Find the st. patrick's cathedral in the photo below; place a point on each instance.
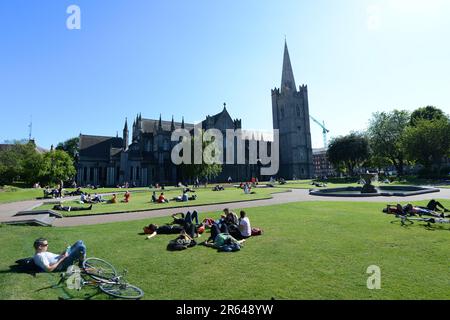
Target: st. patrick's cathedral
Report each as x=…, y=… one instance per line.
x=144, y=157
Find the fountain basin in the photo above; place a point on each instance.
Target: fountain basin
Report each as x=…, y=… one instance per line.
x=384, y=191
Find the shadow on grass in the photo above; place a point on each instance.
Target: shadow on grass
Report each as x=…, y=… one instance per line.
x=19, y=269
x=69, y=295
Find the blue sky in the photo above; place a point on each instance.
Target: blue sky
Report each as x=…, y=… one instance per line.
x=188, y=57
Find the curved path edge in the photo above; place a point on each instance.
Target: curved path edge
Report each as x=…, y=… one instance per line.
x=297, y=195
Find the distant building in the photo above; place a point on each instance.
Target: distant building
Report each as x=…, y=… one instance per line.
x=322, y=167
x=110, y=161
x=290, y=113
x=8, y=146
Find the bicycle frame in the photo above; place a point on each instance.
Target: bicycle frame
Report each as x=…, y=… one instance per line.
x=430, y=221
x=76, y=274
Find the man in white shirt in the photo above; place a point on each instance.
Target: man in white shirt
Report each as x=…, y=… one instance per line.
x=244, y=226
x=50, y=262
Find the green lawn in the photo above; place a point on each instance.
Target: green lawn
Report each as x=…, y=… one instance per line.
x=141, y=201
x=314, y=250
x=13, y=194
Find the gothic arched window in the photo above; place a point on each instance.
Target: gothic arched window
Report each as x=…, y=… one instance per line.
x=282, y=112
x=298, y=111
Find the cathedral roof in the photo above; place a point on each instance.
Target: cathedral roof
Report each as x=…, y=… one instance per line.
x=150, y=125
x=213, y=120
x=99, y=147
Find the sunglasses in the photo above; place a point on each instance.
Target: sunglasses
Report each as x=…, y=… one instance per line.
x=44, y=245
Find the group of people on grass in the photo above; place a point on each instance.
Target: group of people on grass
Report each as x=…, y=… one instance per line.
x=227, y=233
x=183, y=198
x=433, y=209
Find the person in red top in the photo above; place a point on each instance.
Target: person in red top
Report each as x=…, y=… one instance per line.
x=162, y=198
x=127, y=196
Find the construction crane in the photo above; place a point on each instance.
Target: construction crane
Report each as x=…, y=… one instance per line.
x=324, y=131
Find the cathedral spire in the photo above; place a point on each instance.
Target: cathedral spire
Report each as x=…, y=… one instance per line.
x=160, y=122
x=182, y=123
x=125, y=135
x=172, y=125
x=287, y=78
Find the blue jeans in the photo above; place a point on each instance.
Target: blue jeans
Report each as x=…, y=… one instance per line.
x=77, y=252
x=189, y=218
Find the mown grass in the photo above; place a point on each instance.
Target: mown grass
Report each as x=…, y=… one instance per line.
x=313, y=250
x=13, y=194
x=141, y=201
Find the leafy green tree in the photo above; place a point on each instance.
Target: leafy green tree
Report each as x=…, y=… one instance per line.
x=70, y=146
x=204, y=170
x=427, y=113
x=350, y=151
x=32, y=164
x=58, y=165
x=10, y=166
x=385, y=133
x=20, y=161
x=428, y=142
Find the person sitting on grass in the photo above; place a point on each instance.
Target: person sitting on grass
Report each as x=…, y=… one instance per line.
x=113, y=199
x=183, y=198
x=50, y=262
x=230, y=218
x=218, y=188
x=97, y=198
x=245, y=229
x=154, y=199
x=126, y=197
x=60, y=207
x=162, y=198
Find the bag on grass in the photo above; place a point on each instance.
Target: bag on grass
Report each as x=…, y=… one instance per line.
x=256, y=232
x=181, y=243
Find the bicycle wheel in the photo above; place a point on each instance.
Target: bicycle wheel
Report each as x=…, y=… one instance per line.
x=122, y=290
x=99, y=269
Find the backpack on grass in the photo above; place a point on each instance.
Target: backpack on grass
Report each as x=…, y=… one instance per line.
x=181, y=243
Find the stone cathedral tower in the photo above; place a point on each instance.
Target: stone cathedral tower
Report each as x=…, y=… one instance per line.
x=290, y=112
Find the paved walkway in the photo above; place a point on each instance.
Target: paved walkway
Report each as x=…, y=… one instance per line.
x=296, y=195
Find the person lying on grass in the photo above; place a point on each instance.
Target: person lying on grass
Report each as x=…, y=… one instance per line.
x=60, y=207
x=432, y=209
x=50, y=262
x=185, y=218
x=179, y=225
x=220, y=237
